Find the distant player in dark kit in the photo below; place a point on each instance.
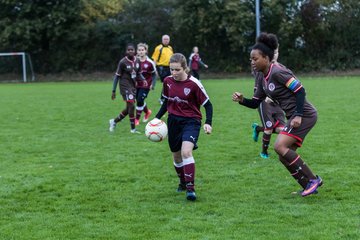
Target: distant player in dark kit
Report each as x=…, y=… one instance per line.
x=148, y=70
x=161, y=57
x=127, y=72
x=281, y=85
x=195, y=63
x=183, y=96
x=271, y=115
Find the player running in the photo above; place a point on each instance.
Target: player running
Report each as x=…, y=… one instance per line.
x=183, y=96
x=281, y=85
x=271, y=115
x=148, y=70
x=127, y=72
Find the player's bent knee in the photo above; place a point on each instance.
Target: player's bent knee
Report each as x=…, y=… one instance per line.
x=186, y=154
x=280, y=148
x=177, y=157
x=139, y=104
x=268, y=131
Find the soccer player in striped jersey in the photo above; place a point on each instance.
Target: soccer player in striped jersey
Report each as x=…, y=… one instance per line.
x=183, y=96
x=271, y=115
x=127, y=72
x=281, y=85
x=148, y=70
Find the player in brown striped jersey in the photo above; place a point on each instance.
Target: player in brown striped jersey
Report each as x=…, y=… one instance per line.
x=271, y=115
x=281, y=85
x=127, y=72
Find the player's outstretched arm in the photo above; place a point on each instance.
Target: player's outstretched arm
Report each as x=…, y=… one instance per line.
x=250, y=103
x=237, y=97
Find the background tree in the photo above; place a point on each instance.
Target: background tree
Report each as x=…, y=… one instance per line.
x=90, y=35
x=222, y=30
x=343, y=22
x=60, y=35
x=146, y=21
x=40, y=27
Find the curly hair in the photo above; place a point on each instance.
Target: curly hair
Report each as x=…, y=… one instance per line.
x=267, y=43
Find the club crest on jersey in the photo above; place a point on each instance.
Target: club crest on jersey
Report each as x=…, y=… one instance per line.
x=186, y=91
x=146, y=65
x=271, y=87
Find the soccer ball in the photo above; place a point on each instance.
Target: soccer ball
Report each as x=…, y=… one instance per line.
x=156, y=130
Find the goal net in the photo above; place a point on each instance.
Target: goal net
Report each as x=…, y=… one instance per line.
x=16, y=67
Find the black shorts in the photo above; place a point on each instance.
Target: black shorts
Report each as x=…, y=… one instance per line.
x=163, y=72
x=141, y=94
x=182, y=129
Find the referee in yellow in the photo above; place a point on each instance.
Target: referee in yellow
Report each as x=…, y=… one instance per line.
x=161, y=57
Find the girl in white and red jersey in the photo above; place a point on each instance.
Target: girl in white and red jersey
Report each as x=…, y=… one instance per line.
x=184, y=95
x=281, y=85
x=148, y=70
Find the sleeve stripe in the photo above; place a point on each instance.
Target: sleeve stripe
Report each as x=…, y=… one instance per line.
x=298, y=88
x=205, y=102
x=293, y=84
x=197, y=82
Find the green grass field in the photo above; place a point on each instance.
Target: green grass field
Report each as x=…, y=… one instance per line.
x=64, y=176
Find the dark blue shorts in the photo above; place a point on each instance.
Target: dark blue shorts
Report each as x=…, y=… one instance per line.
x=141, y=94
x=163, y=72
x=182, y=129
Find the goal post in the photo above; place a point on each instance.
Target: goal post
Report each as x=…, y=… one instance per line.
x=25, y=61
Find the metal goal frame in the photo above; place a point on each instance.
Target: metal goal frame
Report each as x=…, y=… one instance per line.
x=23, y=58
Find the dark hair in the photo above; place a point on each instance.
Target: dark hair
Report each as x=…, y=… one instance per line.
x=130, y=45
x=266, y=43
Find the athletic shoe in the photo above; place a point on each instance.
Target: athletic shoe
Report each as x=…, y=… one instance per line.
x=264, y=155
x=147, y=115
x=112, y=124
x=135, y=131
x=255, y=134
x=299, y=192
x=181, y=187
x=312, y=186
x=137, y=122
x=190, y=195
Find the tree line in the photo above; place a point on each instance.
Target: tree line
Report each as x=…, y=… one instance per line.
x=90, y=35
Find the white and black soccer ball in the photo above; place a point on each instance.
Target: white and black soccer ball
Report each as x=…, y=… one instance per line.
x=156, y=130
